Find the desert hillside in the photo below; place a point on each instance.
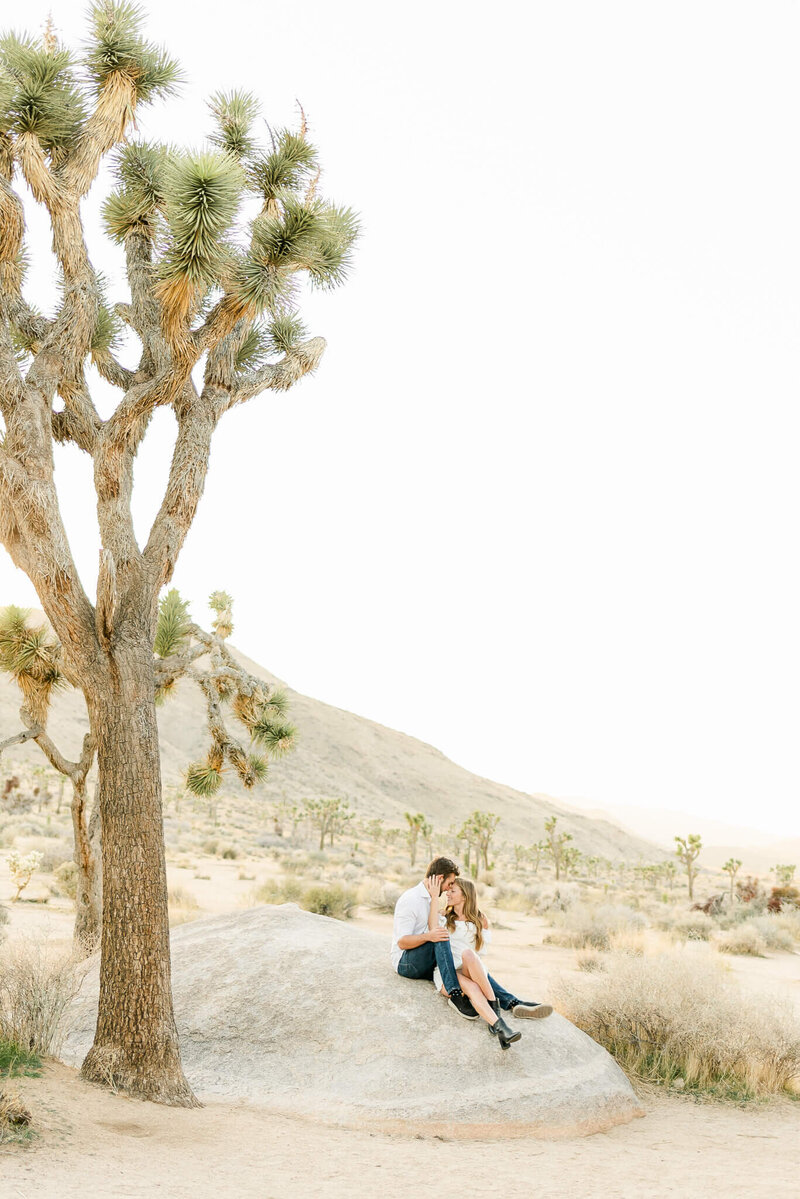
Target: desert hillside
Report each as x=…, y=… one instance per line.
x=382, y=772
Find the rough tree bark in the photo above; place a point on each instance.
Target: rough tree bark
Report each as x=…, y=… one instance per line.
x=136, y=1041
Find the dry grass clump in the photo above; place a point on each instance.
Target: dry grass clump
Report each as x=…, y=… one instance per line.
x=743, y=939
x=667, y=1018
x=36, y=990
x=280, y=890
x=336, y=901
x=379, y=895
x=775, y=935
x=180, y=897
x=582, y=926
x=15, y=1119
x=325, y=899
x=690, y=926
x=789, y=922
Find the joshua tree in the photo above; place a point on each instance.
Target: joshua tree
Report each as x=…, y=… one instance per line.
x=416, y=824
x=557, y=844
x=329, y=816
x=31, y=655
x=732, y=867
x=784, y=875
x=478, y=831
x=202, y=296
x=687, y=850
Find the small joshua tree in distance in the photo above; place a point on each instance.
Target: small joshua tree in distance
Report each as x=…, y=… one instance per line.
x=687, y=850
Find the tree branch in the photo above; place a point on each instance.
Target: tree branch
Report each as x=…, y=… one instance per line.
x=106, y=126
x=279, y=376
x=187, y=477
x=112, y=371
x=19, y=738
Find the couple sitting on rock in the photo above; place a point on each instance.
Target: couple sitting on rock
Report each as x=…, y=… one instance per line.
x=447, y=948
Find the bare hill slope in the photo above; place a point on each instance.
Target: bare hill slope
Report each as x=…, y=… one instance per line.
x=384, y=773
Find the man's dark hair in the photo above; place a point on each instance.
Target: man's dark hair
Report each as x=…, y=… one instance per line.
x=443, y=866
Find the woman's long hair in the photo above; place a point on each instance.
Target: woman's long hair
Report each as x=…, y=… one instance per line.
x=471, y=910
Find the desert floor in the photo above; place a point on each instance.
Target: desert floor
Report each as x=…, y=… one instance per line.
x=91, y=1142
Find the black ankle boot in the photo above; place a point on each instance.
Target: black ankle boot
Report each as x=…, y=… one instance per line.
x=504, y=1034
x=494, y=1004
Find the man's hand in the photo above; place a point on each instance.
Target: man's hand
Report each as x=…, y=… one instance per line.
x=433, y=885
x=438, y=934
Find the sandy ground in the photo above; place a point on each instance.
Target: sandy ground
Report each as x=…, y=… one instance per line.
x=89, y=1141
x=94, y=1143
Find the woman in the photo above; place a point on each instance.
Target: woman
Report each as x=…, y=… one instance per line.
x=469, y=935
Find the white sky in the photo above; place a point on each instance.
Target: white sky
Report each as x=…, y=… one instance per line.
x=539, y=505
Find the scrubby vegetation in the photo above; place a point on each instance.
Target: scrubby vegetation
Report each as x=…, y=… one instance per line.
x=36, y=989
x=676, y=1020
x=624, y=921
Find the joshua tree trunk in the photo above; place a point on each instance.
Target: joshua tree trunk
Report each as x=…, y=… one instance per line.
x=136, y=1041
x=86, y=832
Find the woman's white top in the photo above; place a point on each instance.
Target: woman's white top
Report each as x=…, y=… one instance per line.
x=462, y=937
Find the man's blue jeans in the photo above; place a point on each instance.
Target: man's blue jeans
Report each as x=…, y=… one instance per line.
x=419, y=963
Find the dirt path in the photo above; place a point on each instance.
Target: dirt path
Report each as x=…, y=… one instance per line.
x=91, y=1142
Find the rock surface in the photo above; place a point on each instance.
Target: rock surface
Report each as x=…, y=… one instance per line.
x=304, y=1014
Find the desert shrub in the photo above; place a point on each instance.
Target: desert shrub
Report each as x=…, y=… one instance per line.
x=15, y=1119
x=584, y=927
x=782, y=897
x=283, y=890
x=296, y=865
x=788, y=921
x=590, y=960
x=230, y=853
x=379, y=895
x=14, y=1059
x=691, y=926
x=669, y=1017
x=774, y=936
x=54, y=855
x=336, y=901
x=180, y=897
x=66, y=876
x=517, y=898
x=36, y=990
x=744, y=939
x=210, y=846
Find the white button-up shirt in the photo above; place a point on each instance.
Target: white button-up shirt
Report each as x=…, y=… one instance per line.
x=410, y=918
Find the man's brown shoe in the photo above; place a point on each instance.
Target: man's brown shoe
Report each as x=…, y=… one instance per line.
x=531, y=1011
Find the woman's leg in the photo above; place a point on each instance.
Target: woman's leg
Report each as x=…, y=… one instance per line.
x=476, y=997
x=473, y=967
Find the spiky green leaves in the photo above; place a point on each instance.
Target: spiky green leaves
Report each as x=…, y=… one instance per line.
x=30, y=656
x=117, y=45
x=38, y=93
x=174, y=624
x=276, y=736
x=288, y=168
x=108, y=325
x=141, y=169
x=203, y=779
x=315, y=237
x=201, y=195
x=234, y=113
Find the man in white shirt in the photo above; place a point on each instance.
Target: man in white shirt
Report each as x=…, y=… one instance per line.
x=417, y=949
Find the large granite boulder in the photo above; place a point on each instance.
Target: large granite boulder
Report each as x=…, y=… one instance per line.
x=304, y=1014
